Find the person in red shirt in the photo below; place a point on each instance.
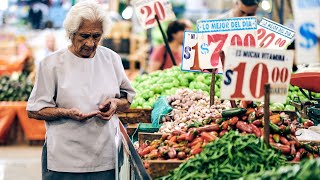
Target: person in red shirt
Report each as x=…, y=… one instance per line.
x=160, y=58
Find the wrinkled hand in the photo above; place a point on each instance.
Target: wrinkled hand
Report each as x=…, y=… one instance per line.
x=107, y=109
x=76, y=114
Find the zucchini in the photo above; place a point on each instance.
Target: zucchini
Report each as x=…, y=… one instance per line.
x=274, y=128
x=308, y=148
x=234, y=112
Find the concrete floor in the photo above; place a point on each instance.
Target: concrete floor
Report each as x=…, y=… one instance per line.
x=21, y=162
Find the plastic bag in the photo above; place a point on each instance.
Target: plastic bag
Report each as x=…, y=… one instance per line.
x=160, y=108
x=144, y=127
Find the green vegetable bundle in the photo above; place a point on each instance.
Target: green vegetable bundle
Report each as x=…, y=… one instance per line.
x=150, y=87
x=309, y=169
x=230, y=157
x=16, y=87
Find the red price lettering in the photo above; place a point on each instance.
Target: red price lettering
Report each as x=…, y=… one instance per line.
x=248, y=40
x=236, y=40
x=267, y=39
x=275, y=74
x=255, y=74
x=258, y=78
x=221, y=38
x=147, y=11
x=159, y=10
x=239, y=82
x=282, y=75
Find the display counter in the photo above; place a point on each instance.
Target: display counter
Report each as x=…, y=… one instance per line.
x=11, y=112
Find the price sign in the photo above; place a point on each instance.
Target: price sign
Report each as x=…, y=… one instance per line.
x=248, y=69
x=147, y=9
x=307, y=26
x=217, y=35
x=190, y=56
x=272, y=35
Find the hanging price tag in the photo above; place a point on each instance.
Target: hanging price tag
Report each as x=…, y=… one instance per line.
x=217, y=35
x=147, y=9
x=190, y=60
x=248, y=69
x=307, y=26
x=272, y=35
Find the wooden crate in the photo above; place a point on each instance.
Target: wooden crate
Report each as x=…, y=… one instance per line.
x=159, y=168
x=131, y=128
x=143, y=137
x=133, y=116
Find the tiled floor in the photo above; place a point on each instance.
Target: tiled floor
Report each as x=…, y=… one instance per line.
x=20, y=162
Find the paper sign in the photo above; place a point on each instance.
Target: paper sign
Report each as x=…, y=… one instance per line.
x=272, y=35
x=217, y=35
x=307, y=26
x=190, y=60
x=248, y=69
x=147, y=9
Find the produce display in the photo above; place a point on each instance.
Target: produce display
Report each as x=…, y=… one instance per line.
x=190, y=107
x=179, y=144
x=232, y=156
x=16, y=87
x=149, y=87
x=309, y=169
x=184, y=143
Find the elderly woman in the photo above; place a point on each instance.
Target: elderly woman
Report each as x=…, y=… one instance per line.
x=77, y=92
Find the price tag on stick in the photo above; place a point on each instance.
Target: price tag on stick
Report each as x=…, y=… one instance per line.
x=307, y=25
x=217, y=35
x=272, y=35
x=147, y=9
x=248, y=69
x=190, y=58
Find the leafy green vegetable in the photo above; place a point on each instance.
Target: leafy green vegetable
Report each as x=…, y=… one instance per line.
x=230, y=157
x=309, y=169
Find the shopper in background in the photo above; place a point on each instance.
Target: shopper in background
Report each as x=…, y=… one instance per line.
x=50, y=47
x=160, y=58
x=242, y=8
x=77, y=92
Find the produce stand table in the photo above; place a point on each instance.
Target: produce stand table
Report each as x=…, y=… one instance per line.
x=159, y=168
x=33, y=130
x=143, y=136
x=131, y=128
x=132, y=116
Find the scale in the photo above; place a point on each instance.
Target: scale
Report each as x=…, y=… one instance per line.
x=309, y=81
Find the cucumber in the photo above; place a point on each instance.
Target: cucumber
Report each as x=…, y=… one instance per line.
x=234, y=112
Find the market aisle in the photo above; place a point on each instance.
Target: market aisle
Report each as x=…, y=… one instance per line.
x=20, y=162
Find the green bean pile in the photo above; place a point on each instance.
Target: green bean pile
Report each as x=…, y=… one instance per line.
x=230, y=157
x=309, y=169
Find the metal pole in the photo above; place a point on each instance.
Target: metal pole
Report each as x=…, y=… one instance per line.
x=266, y=113
x=166, y=41
x=212, y=87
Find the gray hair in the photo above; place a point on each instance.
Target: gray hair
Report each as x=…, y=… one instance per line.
x=85, y=10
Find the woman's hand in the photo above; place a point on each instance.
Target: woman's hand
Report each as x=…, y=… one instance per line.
x=108, y=108
x=76, y=114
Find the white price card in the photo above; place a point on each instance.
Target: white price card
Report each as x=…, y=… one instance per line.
x=147, y=9
x=247, y=70
x=307, y=26
x=216, y=35
x=190, y=61
x=273, y=35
